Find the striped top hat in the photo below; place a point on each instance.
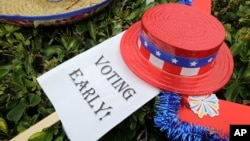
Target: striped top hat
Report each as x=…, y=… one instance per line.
x=178, y=48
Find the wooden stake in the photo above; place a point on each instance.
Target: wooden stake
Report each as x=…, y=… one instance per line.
x=38, y=127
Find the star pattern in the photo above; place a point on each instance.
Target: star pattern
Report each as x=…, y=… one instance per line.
x=145, y=44
x=210, y=60
x=193, y=64
x=184, y=65
x=179, y=61
x=158, y=53
x=174, y=61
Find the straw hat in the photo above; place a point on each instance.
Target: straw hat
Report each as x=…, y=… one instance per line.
x=42, y=7
x=179, y=49
x=48, y=12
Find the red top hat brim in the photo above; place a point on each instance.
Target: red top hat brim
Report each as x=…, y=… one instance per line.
x=206, y=83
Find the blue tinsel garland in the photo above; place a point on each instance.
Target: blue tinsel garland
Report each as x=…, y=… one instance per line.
x=167, y=120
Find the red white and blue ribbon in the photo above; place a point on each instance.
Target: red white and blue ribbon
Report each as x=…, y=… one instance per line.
x=174, y=64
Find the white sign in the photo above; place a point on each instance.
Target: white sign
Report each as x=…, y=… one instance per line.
x=95, y=91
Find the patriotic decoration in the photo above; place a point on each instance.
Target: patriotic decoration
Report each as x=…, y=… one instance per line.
x=168, y=103
x=204, y=105
x=177, y=49
x=174, y=64
x=200, y=105
x=168, y=121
